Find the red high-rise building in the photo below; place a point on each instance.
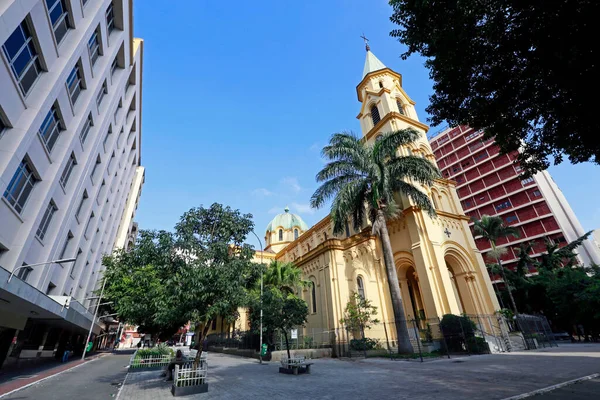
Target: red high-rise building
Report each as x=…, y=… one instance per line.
x=490, y=183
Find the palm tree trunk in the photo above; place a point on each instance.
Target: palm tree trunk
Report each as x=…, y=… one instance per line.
x=510, y=296
x=404, y=345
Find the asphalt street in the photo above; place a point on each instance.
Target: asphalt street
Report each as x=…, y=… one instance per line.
x=95, y=380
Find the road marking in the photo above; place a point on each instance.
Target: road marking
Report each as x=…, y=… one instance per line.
x=553, y=387
x=122, y=386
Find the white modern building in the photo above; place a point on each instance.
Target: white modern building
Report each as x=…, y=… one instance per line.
x=70, y=163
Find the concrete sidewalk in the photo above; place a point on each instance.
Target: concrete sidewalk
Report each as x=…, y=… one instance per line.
x=477, y=377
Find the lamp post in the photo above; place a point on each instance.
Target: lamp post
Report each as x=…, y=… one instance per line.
x=261, y=298
x=93, y=320
x=64, y=260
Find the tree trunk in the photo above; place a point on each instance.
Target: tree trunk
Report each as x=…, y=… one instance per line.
x=510, y=296
x=199, y=343
x=404, y=345
x=362, y=332
x=287, y=344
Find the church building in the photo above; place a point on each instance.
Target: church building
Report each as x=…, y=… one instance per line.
x=439, y=267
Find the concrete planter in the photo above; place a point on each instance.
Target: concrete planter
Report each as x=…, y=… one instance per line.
x=145, y=369
x=188, y=390
x=293, y=371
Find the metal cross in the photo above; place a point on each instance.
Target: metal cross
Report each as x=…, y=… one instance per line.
x=447, y=232
x=363, y=37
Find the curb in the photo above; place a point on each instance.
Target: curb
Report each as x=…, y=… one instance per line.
x=553, y=387
x=122, y=386
x=25, y=386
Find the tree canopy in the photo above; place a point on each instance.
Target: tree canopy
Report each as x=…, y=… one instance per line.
x=521, y=70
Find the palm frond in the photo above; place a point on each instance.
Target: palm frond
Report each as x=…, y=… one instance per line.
x=387, y=146
x=331, y=187
x=345, y=203
x=419, y=198
x=415, y=168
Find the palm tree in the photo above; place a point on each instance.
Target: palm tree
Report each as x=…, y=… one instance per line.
x=555, y=256
x=362, y=179
x=285, y=276
x=492, y=229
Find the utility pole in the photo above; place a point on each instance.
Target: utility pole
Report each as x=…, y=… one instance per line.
x=261, y=299
x=93, y=320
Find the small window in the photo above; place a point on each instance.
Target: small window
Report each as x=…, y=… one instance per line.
x=74, y=264
x=94, y=46
x=46, y=219
x=361, y=286
x=75, y=83
x=86, y=232
x=347, y=229
x=295, y=234
x=50, y=289
x=50, y=129
x=20, y=186
x=113, y=67
x=86, y=128
x=380, y=85
x=400, y=107
x=23, y=273
x=59, y=17
x=71, y=163
x=313, y=296
x=84, y=197
x=480, y=156
x=110, y=18
x=503, y=205
x=98, y=162
x=103, y=92
x=22, y=56
x=2, y=126
x=526, y=181
x=511, y=218
x=281, y=235
x=107, y=138
x=63, y=252
x=375, y=115
x=536, y=193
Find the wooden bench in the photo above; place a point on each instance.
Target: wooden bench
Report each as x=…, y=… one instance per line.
x=296, y=364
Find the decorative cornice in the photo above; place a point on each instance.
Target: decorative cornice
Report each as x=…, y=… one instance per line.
x=373, y=74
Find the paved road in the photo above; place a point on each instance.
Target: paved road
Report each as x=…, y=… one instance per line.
x=95, y=380
x=487, y=377
x=579, y=391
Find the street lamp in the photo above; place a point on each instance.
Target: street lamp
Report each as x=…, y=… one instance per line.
x=64, y=260
x=261, y=298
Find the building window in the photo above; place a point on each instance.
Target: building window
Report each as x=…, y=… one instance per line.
x=86, y=128
x=50, y=289
x=86, y=232
x=375, y=114
x=511, y=218
x=2, y=126
x=347, y=229
x=98, y=162
x=107, y=137
x=71, y=163
x=72, y=272
x=526, y=181
x=63, y=252
x=81, y=204
x=295, y=234
x=22, y=57
x=313, y=296
x=361, y=286
x=503, y=205
x=480, y=156
x=281, y=235
x=100, y=192
x=75, y=83
x=472, y=135
x=110, y=18
x=94, y=47
x=536, y=193
x=23, y=273
x=59, y=17
x=50, y=129
x=46, y=219
x=103, y=91
x=113, y=67
x=20, y=186
x=400, y=107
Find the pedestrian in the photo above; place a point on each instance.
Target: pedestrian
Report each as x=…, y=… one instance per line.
x=67, y=352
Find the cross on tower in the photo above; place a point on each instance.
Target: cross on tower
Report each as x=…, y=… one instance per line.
x=447, y=232
x=363, y=37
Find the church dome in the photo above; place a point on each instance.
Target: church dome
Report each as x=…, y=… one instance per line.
x=287, y=220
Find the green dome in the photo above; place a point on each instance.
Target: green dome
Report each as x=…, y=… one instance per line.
x=287, y=220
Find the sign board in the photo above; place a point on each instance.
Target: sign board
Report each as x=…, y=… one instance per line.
x=263, y=351
x=89, y=347
x=294, y=334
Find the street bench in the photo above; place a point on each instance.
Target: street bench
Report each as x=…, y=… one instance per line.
x=295, y=364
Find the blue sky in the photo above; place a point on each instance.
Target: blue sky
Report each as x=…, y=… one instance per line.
x=239, y=98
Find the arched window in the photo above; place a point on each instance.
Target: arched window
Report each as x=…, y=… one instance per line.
x=378, y=138
x=375, y=114
x=313, y=296
x=361, y=286
x=380, y=84
x=347, y=229
x=400, y=107
x=281, y=235
x=295, y=234
x=435, y=205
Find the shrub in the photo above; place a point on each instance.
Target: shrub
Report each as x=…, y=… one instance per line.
x=457, y=330
x=364, y=344
x=308, y=342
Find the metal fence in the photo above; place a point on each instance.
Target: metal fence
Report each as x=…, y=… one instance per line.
x=146, y=361
x=536, y=331
x=186, y=375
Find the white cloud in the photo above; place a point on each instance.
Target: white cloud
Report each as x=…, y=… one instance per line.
x=315, y=147
x=275, y=210
x=262, y=192
x=302, y=208
x=292, y=184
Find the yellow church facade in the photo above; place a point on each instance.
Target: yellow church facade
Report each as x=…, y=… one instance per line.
x=439, y=268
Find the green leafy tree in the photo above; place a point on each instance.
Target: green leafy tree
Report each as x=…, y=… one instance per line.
x=492, y=229
x=136, y=282
x=218, y=266
x=359, y=315
x=363, y=179
x=518, y=69
x=282, y=311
